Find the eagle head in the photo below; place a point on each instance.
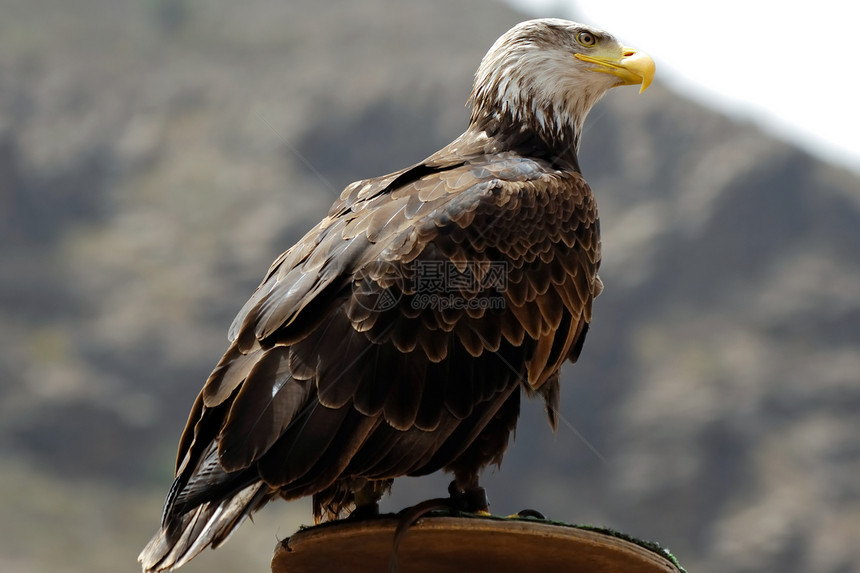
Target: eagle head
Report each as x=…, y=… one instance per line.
x=545, y=75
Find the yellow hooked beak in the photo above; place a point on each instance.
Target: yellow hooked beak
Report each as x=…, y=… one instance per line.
x=633, y=67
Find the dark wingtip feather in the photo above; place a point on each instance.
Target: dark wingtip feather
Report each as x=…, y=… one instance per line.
x=209, y=524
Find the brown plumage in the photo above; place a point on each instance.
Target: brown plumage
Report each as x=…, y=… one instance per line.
x=397, y=336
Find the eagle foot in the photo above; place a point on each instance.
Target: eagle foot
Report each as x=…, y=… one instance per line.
x=529, y=513
x=367, y=511
x=470, y=500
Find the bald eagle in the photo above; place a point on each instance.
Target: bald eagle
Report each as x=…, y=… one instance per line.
x=398, y=335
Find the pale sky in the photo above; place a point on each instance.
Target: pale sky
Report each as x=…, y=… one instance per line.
x=792, y=67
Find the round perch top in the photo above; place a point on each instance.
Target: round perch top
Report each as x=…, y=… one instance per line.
x=467, y=544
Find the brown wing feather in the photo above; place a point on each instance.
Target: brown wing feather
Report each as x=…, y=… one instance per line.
x=269, y=399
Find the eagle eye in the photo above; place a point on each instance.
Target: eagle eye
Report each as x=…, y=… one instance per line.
x=587, y=39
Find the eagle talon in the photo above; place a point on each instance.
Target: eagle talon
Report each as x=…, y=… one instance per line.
x=529, y=513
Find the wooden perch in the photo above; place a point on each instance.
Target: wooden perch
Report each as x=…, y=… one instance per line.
x=466, y=544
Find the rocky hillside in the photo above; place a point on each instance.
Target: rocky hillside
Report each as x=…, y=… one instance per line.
x=156, y=156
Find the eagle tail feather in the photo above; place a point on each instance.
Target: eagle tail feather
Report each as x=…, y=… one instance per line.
x=209, y=524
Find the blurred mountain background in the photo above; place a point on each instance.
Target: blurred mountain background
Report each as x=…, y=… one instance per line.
x=156, y=156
